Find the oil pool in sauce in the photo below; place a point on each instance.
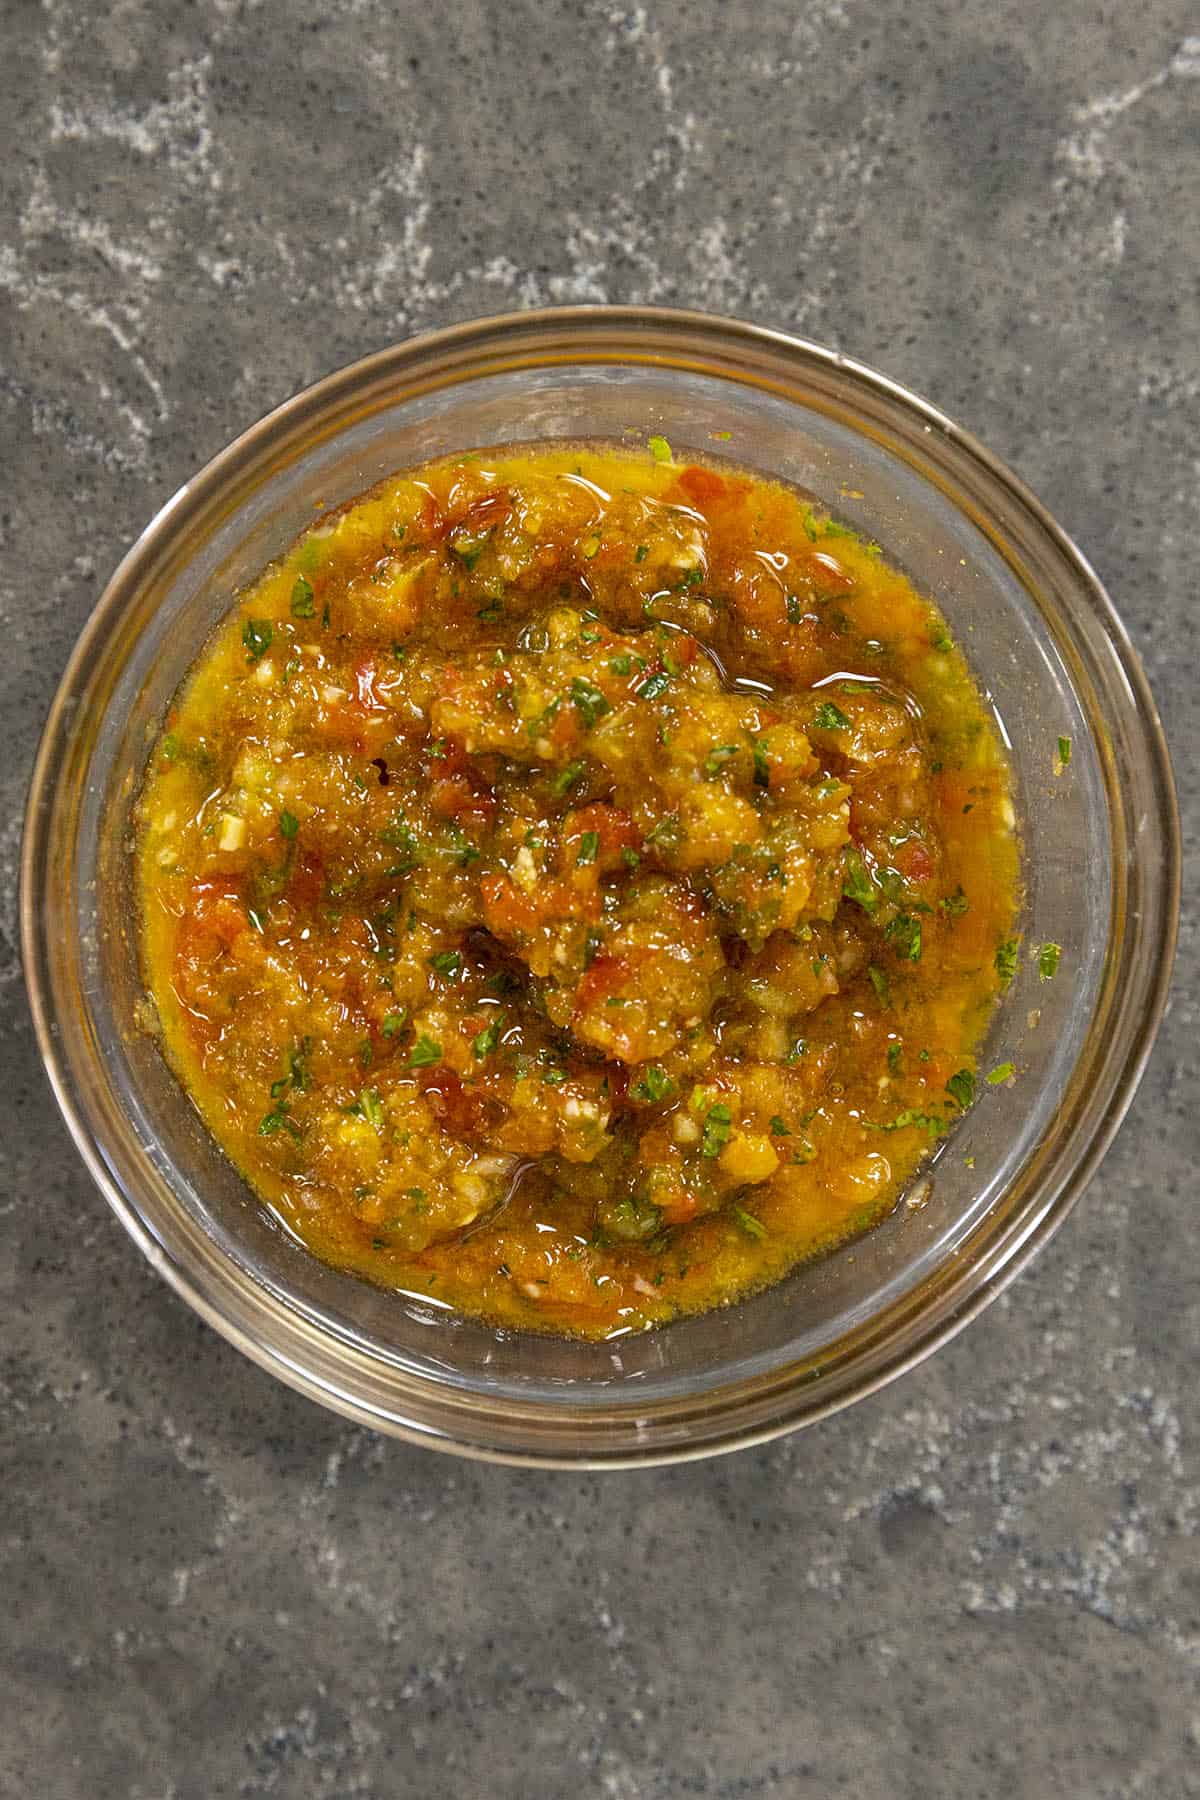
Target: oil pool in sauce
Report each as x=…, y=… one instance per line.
x=574, y=884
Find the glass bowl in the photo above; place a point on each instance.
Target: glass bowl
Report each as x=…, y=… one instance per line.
x=1101, y=852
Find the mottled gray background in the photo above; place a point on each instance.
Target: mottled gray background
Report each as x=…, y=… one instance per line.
x=983, y=1582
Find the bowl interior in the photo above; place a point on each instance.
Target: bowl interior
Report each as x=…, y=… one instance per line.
x=1011, y=592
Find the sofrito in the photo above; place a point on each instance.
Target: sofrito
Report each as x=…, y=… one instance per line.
x=574, y=884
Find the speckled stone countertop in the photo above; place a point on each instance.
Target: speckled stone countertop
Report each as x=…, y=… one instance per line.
x=983, y=1582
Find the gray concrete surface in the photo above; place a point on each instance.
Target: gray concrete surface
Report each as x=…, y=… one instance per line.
x=983, y=1582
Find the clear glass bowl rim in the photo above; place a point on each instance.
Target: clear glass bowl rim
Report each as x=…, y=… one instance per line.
x=326, y=1368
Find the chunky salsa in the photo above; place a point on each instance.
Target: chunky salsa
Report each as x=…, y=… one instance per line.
x=574, y=885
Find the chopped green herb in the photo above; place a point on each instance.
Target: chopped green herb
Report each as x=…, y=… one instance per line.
x=630, y=858
x=879, y=982
x=716, y=1130
x=904, y=933
x=654, y=1085
x=1002, y=1072
x=810, y=525
x=660, y=450
x=289, y=824
x=588, y=701
x=446, y=962
x=257, y=635
x=303, y=604
x=667, y=834
x=920, y=1121
x=366, y=1054
x=566, y=778
x=425, y=1053
x=717, y=757
x=1064, y=751
x=894, y=1057
x=794, y=608
x=641, y=553
x=395, y=1022
x=469, y=549
x=488, y=615
x=1006, y=961
x=589, y=845
x=961, y=1088
x=857, y=884
x=780, y=1127
x=255, y=918
x=371, y=1108
x=953, y=905
x=653, y=685
x=829, y=717
x=1048, y=960
x=762, y=767
x=621, y=665
x=488, y=1038
x=750, y=1225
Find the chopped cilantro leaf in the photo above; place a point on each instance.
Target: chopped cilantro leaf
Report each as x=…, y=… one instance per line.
x=1064, y=751
x=425, y=1053
x=1002, y=1072
x=654, y=1085
x=829, y=717
x=667, y=834
x=257, y=635
x=780, y=1127
x=566, y=778
x=588, y=701
x=717, y=757
x=446, y=962
x=857, y=884
x=659, y=449
x=716, y=1130
x=1006, y=961
x=961, y=1088
x=653, y=685
x=750, y=1225
x=589, y=845
x=879, y=982
x=303, y=604
x=488, y=1038
x=1047, y=961
x=904, y=933
x=289, y=824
